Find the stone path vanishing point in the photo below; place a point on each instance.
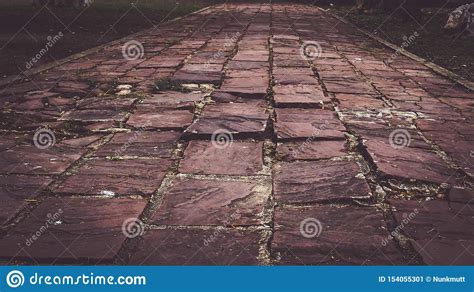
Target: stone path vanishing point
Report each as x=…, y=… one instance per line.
x=242, y=134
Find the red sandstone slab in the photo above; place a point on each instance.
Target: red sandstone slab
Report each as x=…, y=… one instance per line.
x=109, y=103
x=164, y=119
x=85, y=230
x=228, y=158
x=31, y=160
x=301, y=95
x=247, y=91
x=140, y=143
x=308, y=182
x=16, y=191
x=307, y=123
x=94, y=115
x=197, y=247
x=331, y=235
x=239, y=120
x=169, y=100
x=359, y=101
x=191, y=77
x=310, y=150
x=439, y=231
x=408, y=163
x=349, y=87
x=216, y=203
x=116, y=177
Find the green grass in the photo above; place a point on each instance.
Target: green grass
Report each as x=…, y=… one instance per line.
x=451, y=51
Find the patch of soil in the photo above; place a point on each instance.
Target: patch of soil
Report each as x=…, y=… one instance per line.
x=452, y=51
x=26, y=30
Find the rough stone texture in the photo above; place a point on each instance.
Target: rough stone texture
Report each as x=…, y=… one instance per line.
x=240, y=120
x=440, y=232
x=24, y=159
x=165, y=119
x=197, y=247
x=303, y=131
x=409, y=163
x=219, y=203
x=310, y=150
x=118, y=177
x=304, y=95
x=16, y=191
x=141, y=143
x=306, y=182
x=234, y=158
x=71, y=230
x=308, y=123
x=347, y=236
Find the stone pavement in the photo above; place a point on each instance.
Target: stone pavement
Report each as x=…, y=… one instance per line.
x=243, y=134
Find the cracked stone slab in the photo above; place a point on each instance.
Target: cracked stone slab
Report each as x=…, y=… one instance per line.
x=164, y=119
x=341, y=86
x=359, y=101
x=197, y=247
x=316, y=181
x=293, y=124
x=71, y=230
x=25, y=159
x=141, y=144
x=16, y=191
x=310, y=150
x=455, y=138
x=300, y=95
x=439, y=231
x=170, y=100
x=216, y=203
x=239, y=120
x=108, y=103
x=94, y=115
x=211, y=157
x=409, y=163
x=332, y=235
x=116, y=177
